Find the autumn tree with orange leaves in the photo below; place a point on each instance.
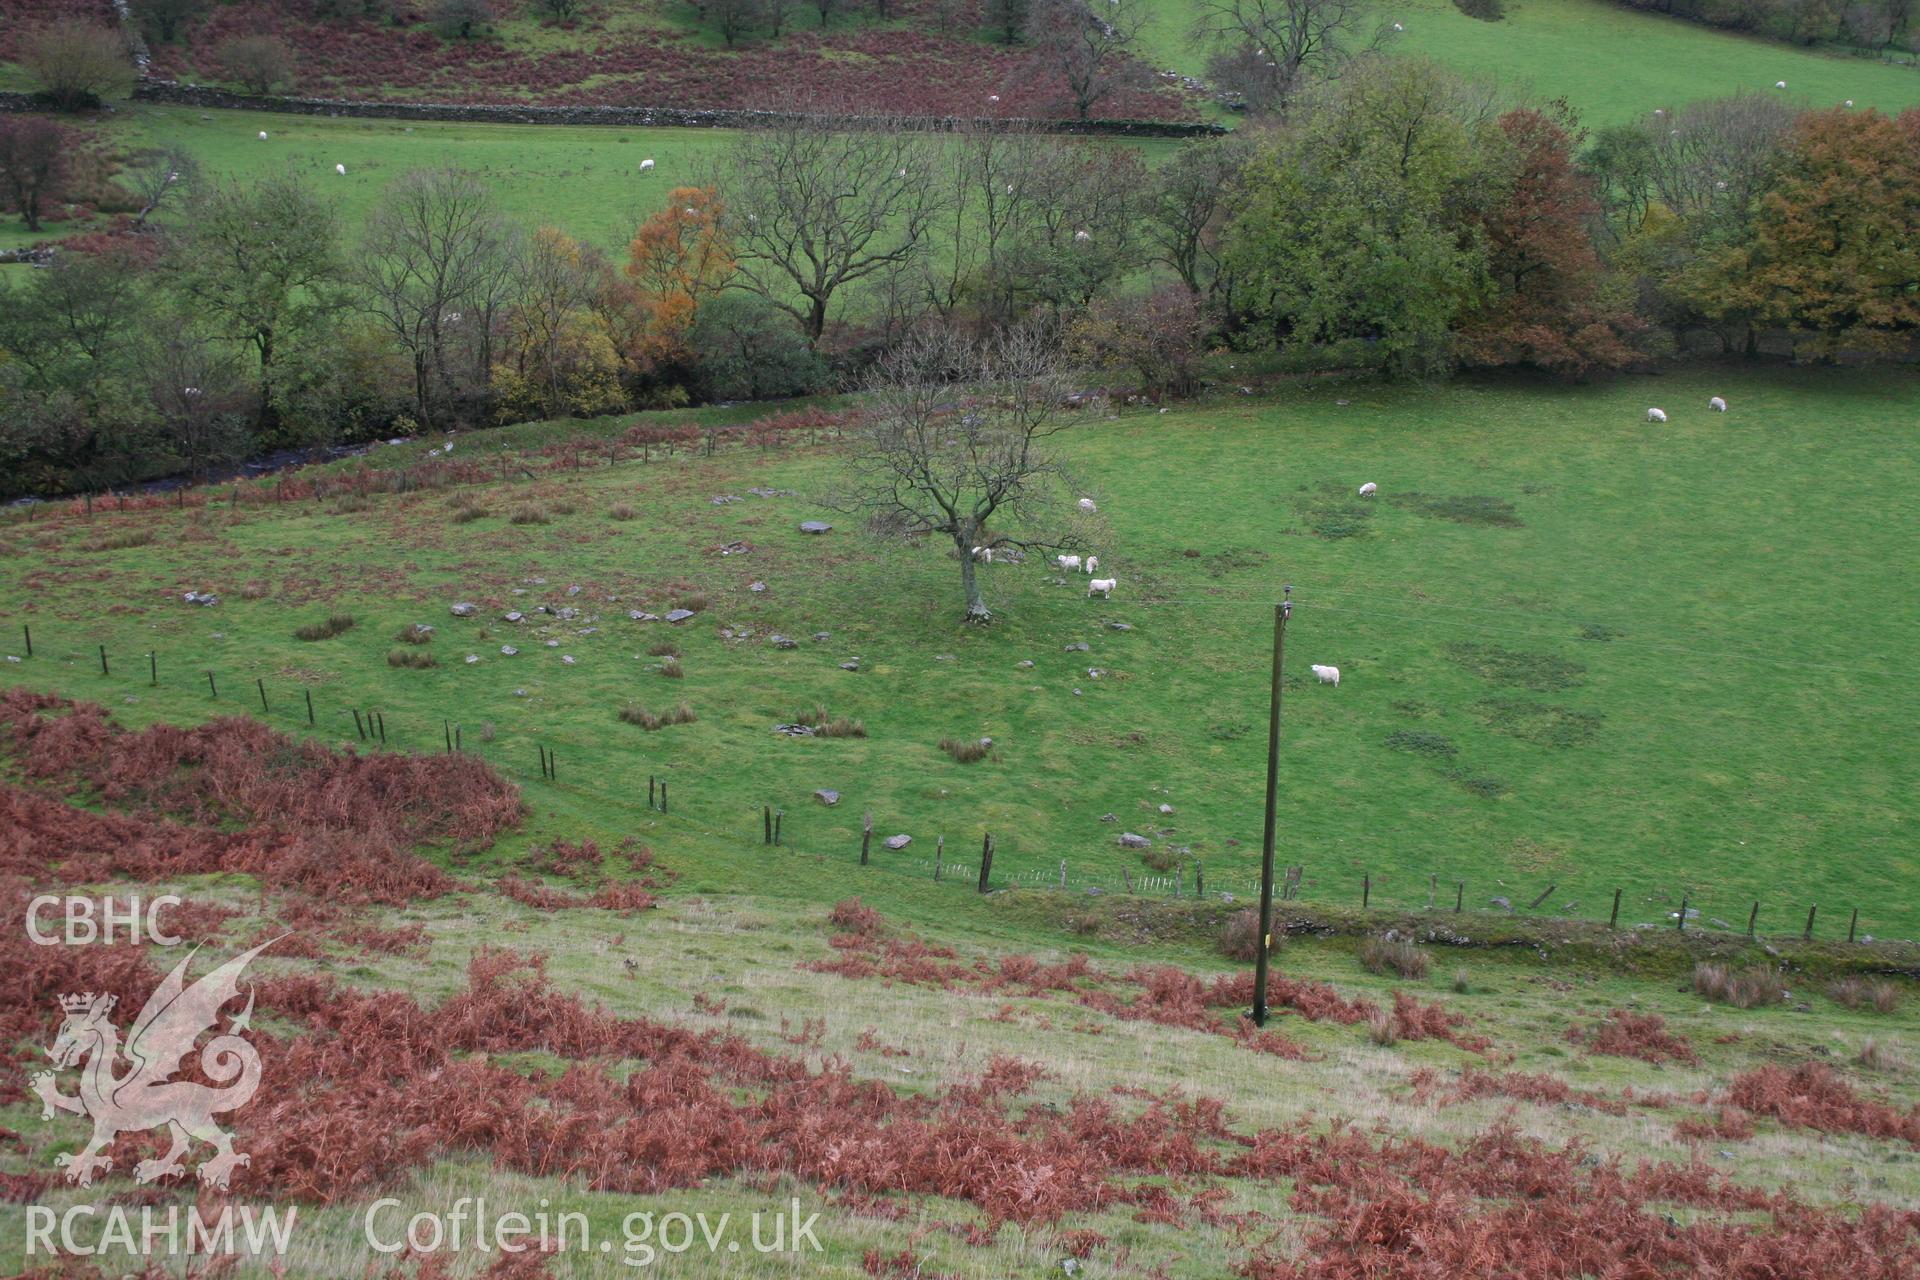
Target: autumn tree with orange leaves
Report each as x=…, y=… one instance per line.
x=1552, y=306
x=678, y=259
x=1833, y=251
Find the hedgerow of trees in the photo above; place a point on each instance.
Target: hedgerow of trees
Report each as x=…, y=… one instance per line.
x=1388, y=216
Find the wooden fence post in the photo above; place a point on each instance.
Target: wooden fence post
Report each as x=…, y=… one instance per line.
x=362, y=731
x=663, y=795
x=1753, y=918
x=103, y=661
x=1127, y=876
x=1535, y=904
x=153, y=667
x=1459, y=896
x=26, y=630
x=1682, y=923
x=866, y=836
x=1853, y=924
x=1613, y=921
x=264, y=709
x=986, y=860
x=1199, y=878
x=1433, y=888
x=766, y=824
x=212, y=688
x=777, y=815
x=939, y=851
x=1063, y=878
x=309, y=694
x=1366, y=890
x=1808, y=935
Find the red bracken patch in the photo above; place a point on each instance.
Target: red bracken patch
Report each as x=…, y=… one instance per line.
x=1814, y=1096
x=1634, y=1035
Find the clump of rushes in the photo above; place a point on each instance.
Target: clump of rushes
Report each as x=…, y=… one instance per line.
x=326, y=629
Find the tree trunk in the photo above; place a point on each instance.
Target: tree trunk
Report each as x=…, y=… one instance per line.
x=977, y=611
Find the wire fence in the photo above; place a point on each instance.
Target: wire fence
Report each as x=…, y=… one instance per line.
x=542, y=761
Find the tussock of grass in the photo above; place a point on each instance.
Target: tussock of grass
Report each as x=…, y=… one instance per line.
x=255, y=590
x=967, y=750
x=1383, y=1028
x=635, y=714
x=1240, y=937
x=326, y=629
x=827, y=725
x=467, y=513
x=671, y=669
x=1878, y=995
x=621, y=511
x=414, y=633
x=528, y=513
x=415, y=659
x=123, y=539
x=1394, y=956
x=692, y=601
x=664, y=649
x=1743, y=990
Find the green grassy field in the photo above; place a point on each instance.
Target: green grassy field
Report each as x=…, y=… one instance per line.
x=1609, y=63
x=585, y=180
x=1577, y=650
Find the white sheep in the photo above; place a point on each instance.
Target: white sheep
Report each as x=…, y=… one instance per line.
x=1104, y=586
x=1656, y=415
x=340, y=169
x=1087, y=505
x=1083, y=236
x=1327, y=675
x=983, y=554
x=1848, y=102
x=263, y=135
x=1067, y=562
x=1779, y=84
x=1717, y=405
x=1368, y=489
x=646, y=166
x=1093, y=563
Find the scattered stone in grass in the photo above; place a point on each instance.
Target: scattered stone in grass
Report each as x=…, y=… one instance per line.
x=1109, y=817
x=851, y=664
x=464, y=610
x=514, y=615
x=567, y=658
x=1503, y=903
x=821, y=637
x=827, y=796
x=205, y=599
x=1025, y=664
x=1120, y=626
x=1129, y=840
x=1079, y=646
x=899, y=842
x=815, y=526
x=794, y=730
x=756, y=587
x=779, y=641
x=641, y=615
x=679, y=615
x=1166, y=808
x=722, y=500
x=508, y=650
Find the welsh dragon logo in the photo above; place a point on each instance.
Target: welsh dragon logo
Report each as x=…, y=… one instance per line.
x=144, y=1096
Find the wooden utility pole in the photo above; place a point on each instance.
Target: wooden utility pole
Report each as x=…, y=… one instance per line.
x=1281, y=612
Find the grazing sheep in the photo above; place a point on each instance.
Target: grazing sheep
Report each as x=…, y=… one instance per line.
x=1083, y=236
x=1093, y=562
x=1368, y=489
x=1067, y=562
x=1779, y=84
x=263, y=135
x=993, y=97
x=340, y=169
x=646, y=166
x=1104, y=586
x=1327, y=675
x=1847, y=103
x=1086, y=504
x=1717, y=405
x=983, y=554
x=1398, y=27
x=1656, y=415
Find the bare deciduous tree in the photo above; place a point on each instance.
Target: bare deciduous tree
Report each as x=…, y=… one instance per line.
x=814, y=209
x=435, y=250
x=76, y=63
x=36, y=157
x=260, y=64
x=1088, y=47
x=1191, y=200
x=197, y=393
x=158, y=175
x=956, y=438
x=1266, y=50
x=1710, y=160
